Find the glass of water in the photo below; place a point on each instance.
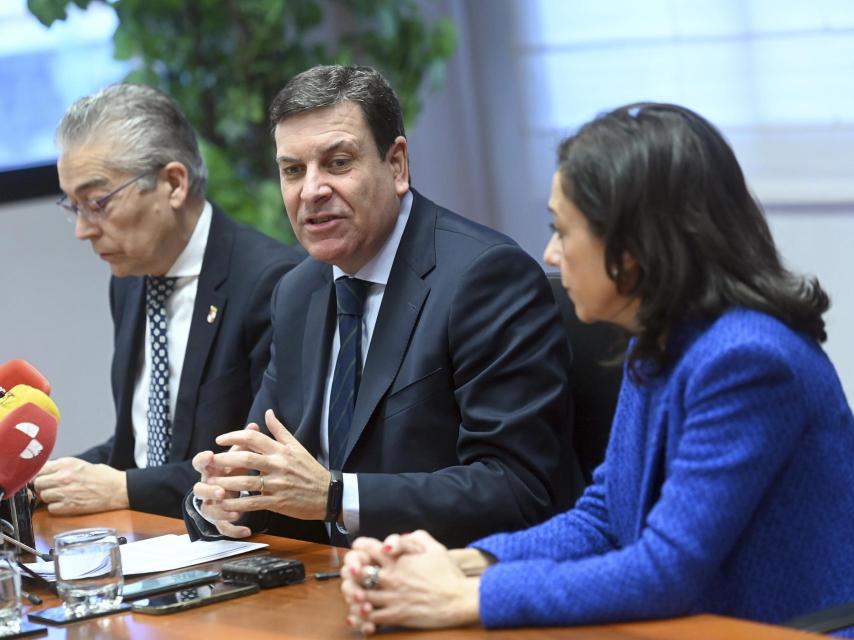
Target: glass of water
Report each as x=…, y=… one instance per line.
x=88, y=570
x=10, y=594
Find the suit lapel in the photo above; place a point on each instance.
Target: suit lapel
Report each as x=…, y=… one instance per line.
x=208, y=312
x=128, y=349
x=403, y=299
x=317, y=338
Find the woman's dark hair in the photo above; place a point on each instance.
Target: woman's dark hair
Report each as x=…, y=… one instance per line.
x=658, y=182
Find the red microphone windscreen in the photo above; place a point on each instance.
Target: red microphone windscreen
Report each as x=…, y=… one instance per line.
x=17, y=371
x=27, y=436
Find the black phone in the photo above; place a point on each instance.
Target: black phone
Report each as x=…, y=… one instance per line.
x=159, y=584
x=61, y=615
x=192, y=597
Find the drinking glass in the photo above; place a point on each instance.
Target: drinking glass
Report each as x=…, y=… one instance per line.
x=10, y=593
x=88, y=570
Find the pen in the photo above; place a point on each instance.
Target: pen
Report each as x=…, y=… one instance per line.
x=47, y=584
x=327, y=575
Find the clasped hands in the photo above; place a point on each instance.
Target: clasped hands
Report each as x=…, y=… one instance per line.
x=410, y=580
x=289, y=480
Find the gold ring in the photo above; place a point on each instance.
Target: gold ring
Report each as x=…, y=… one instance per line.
x=261, y=491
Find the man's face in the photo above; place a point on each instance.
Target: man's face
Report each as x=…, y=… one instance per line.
x=137, y=234
x=341, y=197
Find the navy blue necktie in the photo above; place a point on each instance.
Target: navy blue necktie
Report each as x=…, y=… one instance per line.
x=158, y=290
x=350, y=298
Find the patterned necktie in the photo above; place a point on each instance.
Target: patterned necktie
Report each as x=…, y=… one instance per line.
x=158, y=290
x=350, y=297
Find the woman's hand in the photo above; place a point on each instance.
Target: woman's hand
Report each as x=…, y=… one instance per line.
x=409, y=580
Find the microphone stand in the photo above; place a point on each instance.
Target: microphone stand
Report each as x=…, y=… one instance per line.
x=44, y=556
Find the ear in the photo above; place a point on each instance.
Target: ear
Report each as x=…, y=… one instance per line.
x=630, y=272
x=178, y=180
x=398, y=157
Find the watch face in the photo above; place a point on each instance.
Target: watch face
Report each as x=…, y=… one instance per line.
x=333, y=500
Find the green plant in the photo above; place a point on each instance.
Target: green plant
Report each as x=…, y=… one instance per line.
x=224, y=60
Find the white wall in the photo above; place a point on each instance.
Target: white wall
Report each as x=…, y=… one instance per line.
x=55, y=314
x=819, y=241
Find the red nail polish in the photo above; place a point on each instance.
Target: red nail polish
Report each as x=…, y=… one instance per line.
x=386, y=548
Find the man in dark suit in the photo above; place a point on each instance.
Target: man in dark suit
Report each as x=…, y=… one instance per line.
x=190, y=300
x=439, y=399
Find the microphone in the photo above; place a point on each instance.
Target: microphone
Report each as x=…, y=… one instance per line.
x=27, y=436
x=17, y=371
x=28, y=423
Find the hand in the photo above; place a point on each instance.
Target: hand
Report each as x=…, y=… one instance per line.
x=291, y=481
x=212, y=495
x=71, y=486
x=419, y=584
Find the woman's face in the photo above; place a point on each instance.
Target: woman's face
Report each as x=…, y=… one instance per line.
x=580, y=255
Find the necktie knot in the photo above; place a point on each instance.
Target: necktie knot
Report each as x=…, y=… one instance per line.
x=350, y=295
x=158, y=289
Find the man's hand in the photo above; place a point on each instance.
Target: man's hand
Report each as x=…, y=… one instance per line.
x=291, y=481
x=212, y=495
x=71, y=486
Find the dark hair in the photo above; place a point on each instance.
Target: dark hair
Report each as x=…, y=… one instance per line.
x=325, y=86
x=658, y=182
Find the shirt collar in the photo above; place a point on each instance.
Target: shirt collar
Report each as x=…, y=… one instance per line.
x=378, y=268
x=189, y=262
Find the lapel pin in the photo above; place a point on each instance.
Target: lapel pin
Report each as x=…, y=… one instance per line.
x=212, y=314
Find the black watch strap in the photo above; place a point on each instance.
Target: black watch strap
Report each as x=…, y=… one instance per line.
x=333, y=498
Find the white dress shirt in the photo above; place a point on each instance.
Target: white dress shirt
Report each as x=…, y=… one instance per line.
x=376, y=271
x=179, y=314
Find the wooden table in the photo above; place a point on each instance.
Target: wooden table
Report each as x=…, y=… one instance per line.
x=314, y=609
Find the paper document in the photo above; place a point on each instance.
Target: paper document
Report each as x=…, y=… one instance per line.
x=164, y=553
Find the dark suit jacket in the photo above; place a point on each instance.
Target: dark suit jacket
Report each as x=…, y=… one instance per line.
x=464, y=393
x=222, y=366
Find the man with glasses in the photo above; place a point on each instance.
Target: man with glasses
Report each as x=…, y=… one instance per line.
x=190, y=300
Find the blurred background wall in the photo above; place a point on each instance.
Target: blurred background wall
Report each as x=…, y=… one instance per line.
x=776, y=77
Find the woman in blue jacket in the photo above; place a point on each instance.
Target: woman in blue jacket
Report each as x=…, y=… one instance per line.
x=728, y=483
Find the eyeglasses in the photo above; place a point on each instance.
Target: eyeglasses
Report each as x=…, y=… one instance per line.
x=94, y=210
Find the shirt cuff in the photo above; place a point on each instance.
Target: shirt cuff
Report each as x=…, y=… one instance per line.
x=350, y=505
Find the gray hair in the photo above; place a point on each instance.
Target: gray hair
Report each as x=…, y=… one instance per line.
x=325, y=86
x=145, y=128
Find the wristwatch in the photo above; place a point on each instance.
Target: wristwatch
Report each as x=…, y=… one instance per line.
x=333, y=498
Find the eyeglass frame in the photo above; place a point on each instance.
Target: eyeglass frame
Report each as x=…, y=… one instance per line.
x=95, y=210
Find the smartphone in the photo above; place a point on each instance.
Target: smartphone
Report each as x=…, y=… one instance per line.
x=192, y=597
x=61, y=615
x=159, y=584
x=25, y=631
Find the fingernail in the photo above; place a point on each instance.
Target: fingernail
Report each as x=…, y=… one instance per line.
x=387, y=548
x=353, y=571
x=348, y=621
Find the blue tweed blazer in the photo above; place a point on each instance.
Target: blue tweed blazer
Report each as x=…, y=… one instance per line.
x=727, y=487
